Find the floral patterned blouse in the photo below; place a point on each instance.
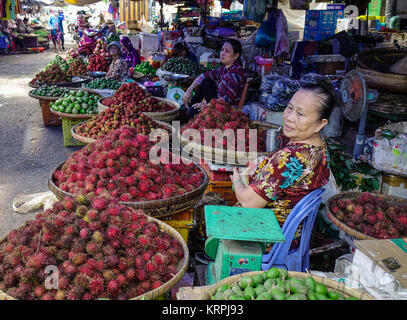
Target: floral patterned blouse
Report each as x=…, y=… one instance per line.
x=286, y=176
x=118, y=70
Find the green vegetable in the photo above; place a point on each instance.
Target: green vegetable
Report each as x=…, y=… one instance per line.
x=278, y=294
x=320, y=288
x=245, y=281
x=321, y=296
x=269, y=283
x=236, y=297
x=256, y=280
x=228, y=293
x=297, y=287
x=236, y=289
x=249, y=293
x=264, y=296
x=273, y=273
x=333, y=295
x=297, y=296
x=310, y=283
x=260, y=289
x=283, y=274
x=311, y=295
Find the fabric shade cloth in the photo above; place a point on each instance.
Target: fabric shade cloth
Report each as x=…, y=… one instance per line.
x=81, y=2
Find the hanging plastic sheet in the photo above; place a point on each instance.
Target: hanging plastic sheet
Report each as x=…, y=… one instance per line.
x=254, y=10
x=266, y=35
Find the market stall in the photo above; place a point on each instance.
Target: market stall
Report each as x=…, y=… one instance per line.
x=155, y=203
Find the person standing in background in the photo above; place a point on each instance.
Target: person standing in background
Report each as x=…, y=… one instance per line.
x=61, y=28
x=53, y=23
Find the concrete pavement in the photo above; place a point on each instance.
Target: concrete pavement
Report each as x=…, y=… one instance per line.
x=28, y=150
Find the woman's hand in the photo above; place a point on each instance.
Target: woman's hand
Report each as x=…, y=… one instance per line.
x=187, y=96
x=236, y=175
x=198, y=106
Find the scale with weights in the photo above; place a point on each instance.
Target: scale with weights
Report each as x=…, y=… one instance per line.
x=354, y=97
x=237, y=238
x=175, y=92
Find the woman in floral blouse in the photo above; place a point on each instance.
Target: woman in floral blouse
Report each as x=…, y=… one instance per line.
x=118, y=70
x=300, y=166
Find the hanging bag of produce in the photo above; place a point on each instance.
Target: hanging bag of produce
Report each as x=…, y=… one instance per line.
x=266, y=35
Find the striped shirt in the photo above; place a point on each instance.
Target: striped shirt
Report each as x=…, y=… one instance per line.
x=230, y=82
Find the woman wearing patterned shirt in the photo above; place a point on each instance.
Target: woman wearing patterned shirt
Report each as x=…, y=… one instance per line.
x=226, y=82
x=300, y=166
x=118, y=70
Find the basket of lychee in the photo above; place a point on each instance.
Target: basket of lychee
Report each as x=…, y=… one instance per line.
x=133, y=170
x=219, y=115
x=368, y=216
x=100, y=249
x=132, y=95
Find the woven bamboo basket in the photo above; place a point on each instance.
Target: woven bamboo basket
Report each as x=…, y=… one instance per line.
x=42, y=97
x=71, y=115
x=331, y=284
x=166, y=287
x=166, y=115
x=154, y=208
x=352, y=195
x=74, y=84
x=90, y=140
x=235, y=157
x=375, y=66
x=161, y=116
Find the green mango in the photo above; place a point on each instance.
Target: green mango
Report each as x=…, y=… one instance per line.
x=297, y=287
x=236, y=297
x=351, y=298
x=264, y=296
x=320, y=288
x=297, y=296
x=280, y=285
x=223, y=287
x=249, y=293
x=310, y=283
x=245, y=282
x=273, y=273
x=278, y=294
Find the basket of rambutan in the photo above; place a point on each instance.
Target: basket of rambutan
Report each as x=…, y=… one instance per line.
x=368, y=216
x=226, y=123
x=100, y=249
x=133, y=170
x=141, y=123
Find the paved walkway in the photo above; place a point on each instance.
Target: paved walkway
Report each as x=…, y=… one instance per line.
x=28, y=150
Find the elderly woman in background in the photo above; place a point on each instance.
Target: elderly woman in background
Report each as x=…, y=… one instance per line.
x=129, y=53
x=118, y=69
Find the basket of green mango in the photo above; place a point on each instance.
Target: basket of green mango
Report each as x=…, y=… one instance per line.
x=280, y=284
x=76, y=104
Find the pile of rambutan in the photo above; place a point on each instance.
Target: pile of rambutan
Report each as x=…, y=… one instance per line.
x=100, y=248
x=219, y=115
x=132, y=95
x=372, y=215
x=119, y=163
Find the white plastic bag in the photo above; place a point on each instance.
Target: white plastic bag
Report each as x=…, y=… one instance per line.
x=24, y=203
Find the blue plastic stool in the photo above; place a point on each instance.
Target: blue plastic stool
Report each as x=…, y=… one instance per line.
x=280, y=255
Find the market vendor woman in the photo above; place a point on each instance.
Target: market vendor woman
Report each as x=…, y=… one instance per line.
x=300, y=166
x=118, y=70
x=226, y=82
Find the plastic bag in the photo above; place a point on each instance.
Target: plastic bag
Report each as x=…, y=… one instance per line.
x=267, y=82
x=254, y=10
x=266, y=34
x=24, y=203
x=282, y=92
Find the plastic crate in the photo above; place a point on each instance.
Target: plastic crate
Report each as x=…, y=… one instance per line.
x=182, y=222
x=48, y=118
x=67, y=124
x=224, y=188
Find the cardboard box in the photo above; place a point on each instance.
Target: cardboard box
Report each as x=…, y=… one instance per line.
x=379, y=250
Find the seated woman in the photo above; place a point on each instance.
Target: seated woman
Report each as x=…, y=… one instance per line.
x=226, y=82
x=181, y=50
x=130, y=54
x=300, y=165
x=118, y=69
